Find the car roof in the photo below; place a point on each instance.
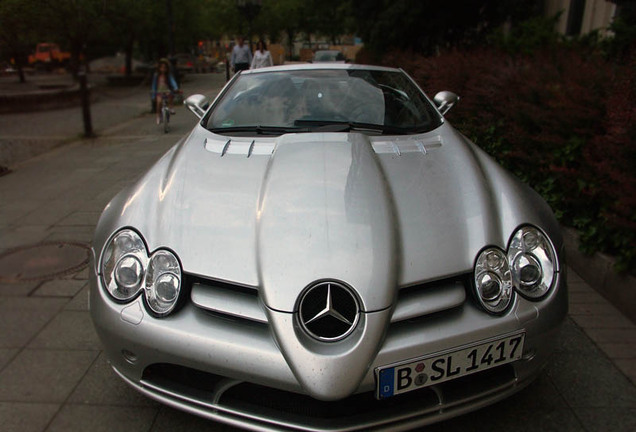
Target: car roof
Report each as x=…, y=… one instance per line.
x=319, y=66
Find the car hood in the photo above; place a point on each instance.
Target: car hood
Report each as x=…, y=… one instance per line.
x=377, y=213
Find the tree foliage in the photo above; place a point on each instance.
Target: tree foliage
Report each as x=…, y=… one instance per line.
x=288, y=17
x=425, y=26
x=78, y=24
x=624, y=29
x=131, y=16
x=18, y=21
x=332, y=18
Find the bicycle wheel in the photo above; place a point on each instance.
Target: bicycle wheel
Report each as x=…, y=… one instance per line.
x=166, y=119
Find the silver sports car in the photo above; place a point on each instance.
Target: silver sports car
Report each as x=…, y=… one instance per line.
x=324, y=252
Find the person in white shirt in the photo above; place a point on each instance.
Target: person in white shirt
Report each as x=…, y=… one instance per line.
x=241, y=56
x=262, y=57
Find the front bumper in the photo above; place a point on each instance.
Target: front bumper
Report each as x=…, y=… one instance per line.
x=233, y=370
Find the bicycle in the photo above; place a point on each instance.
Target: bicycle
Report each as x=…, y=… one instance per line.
x=165, y=111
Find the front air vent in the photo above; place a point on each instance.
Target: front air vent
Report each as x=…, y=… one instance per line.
x=429, y=298
x=228, y=300
x=267, y=408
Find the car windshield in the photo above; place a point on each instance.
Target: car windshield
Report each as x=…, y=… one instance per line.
x=366, y=100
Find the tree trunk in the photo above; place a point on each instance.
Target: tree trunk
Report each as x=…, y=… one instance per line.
x=290, y=41
x=19, y=64
x=21, y=73
x=129, y=54
x=86, y=106
x=74, y=62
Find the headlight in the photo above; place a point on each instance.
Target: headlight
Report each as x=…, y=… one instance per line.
x=126, y=270
x=123, y=265
x=529, y=266
x=493, y=281
x=163, y=282
x=533, y=262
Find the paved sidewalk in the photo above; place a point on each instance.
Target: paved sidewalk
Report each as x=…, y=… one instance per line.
x=53, y=375
x=23, y=135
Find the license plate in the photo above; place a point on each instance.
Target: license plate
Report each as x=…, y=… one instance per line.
x=444, y=366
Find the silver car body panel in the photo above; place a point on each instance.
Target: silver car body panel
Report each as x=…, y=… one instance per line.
x=275, y=214
x=370, y=219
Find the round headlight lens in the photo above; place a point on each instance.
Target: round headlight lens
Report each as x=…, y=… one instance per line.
x=528, y=269
x=534, y=264
x=122, y=266
x=167, y=287
x=493, y=282
x=531, y=239
x=163, y=282
x=129, y=273
x=494, y=260
x=490, y=286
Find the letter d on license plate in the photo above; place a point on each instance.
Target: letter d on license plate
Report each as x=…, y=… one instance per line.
x=447, y=365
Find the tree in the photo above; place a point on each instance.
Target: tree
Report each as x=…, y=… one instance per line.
x=18, y=21
x=426, y=26
x=128, y=21
x=196, y=20
x=290, y=17
x=192, y=21
x=332, y=18
x=221, y=17
x=76, y=22
x=624, y=28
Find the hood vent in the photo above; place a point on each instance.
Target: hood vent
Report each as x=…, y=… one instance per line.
x=399, y=147
x=247, y=148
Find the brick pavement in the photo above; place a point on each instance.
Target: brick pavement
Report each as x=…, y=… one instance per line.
x=53, y=375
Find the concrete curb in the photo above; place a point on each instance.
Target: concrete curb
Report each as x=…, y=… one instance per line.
x=598, y=271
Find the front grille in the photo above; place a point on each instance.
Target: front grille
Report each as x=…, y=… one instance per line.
x=358, y=412
x=244, y=303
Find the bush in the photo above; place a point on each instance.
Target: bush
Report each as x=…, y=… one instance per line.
x=562, y=118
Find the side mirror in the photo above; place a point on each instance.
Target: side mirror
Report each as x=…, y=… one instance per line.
x=445, y=100
x=198, y=104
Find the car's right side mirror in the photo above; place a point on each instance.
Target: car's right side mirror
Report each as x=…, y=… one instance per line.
x=445, y=100
x=198, y=104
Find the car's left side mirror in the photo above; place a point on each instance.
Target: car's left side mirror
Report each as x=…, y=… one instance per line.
x=445, y=100
x=198, y=104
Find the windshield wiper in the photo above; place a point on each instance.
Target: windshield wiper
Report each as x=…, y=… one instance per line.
x=258, y=129
x=347, y=126
x=301, y=126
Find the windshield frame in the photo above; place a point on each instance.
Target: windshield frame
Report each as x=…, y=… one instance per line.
x=435, y=119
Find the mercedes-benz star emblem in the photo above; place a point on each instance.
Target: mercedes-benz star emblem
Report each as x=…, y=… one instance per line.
x=328, y=311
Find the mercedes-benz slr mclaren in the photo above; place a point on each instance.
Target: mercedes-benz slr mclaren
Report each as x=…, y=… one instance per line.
x=325, y=252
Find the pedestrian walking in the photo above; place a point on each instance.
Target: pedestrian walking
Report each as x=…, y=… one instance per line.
x=262, y=57
x=241, y=56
